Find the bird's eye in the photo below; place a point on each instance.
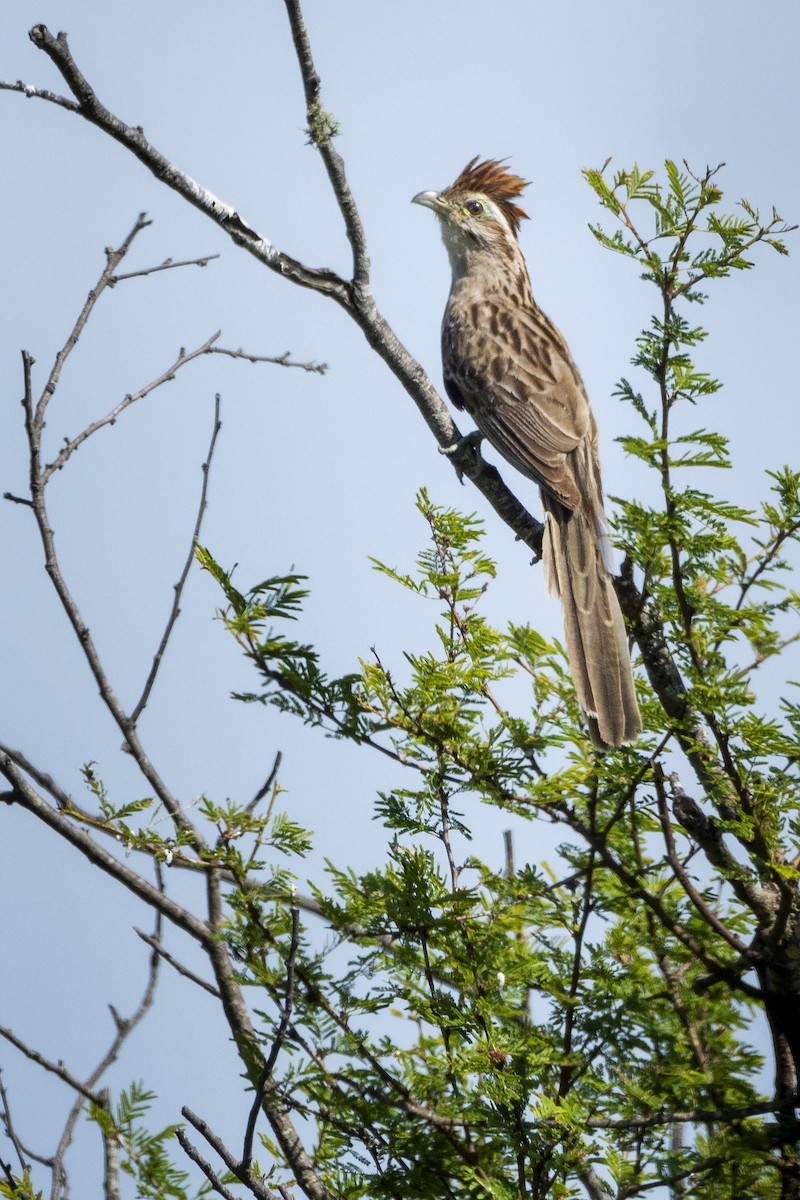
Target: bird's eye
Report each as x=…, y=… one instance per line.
x=475, y=207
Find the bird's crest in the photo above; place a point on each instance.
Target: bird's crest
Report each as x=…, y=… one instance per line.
x=491, y=178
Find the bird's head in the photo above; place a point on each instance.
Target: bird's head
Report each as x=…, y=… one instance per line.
x=477, y=211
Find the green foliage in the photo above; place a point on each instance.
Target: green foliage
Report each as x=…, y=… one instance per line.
x=19, y=1187
x=469, y=1028
x=145, y=1157
x=538, y=1028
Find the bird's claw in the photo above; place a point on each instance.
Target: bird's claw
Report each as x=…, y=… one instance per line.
x=471, y=442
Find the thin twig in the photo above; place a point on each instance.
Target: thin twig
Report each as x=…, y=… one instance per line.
x=322, y=130
x=266, y=786
x=356, y=299
x=34, y=93
x=124, y=1027
x=681, y=875
x=280, y=360
x=179, y=586
x=167, y=376
x=279, y=1039
x=173, y=962
x=54, y=1068
x=239, y=1170
x=9, y=1126
x=167, y=265
x=113, y=259
x=210, y=1174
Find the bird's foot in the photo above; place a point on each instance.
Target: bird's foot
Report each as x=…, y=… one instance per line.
x=466, y=448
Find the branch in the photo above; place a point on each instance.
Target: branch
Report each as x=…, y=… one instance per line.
x=241, y=1171
x=705, y=831
x=321, y=130
x=167, y=265
x=53, y=1068
x=9, y=1126
x=173, y=962
x=110, y=1157
x=725, y=971
x=72, y=444
x=682, y=876
x=34, y=93
x=205, y=1167
x=281, y=360
x=280, y=1037
x=133, y=139
x=179, y=586
x=693, y=1116
x=246, y=1040
x=113, y=259
x=58, y=821
x=594, y=1185
x=354, y=298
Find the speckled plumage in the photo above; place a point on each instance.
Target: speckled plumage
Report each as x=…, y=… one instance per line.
x=509, y=367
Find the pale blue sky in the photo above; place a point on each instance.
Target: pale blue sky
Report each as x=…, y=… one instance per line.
x=315, y=472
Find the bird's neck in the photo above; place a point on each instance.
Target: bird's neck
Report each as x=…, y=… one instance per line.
x=496, y=269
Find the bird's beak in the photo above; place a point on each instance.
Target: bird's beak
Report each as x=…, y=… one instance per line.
x=433, y=201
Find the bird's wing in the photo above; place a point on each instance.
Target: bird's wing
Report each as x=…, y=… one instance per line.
x=510, y=369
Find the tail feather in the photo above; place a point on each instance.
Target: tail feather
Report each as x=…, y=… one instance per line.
x=597, y=645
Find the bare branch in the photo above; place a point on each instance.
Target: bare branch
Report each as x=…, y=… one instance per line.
x=241, y=1171
x=34, y=93
x=179, y=586
x=268, y=782
x=205, y=1167
x=113, y=258
x=321, y=131
x=275, y=1049
x=72, y=444
x=280, y=360
x=179, y=967
x=133, y=138
x=167, y=265
x=355, y=298
x=60, y=822
x=9, y=1125
x=58, y=1068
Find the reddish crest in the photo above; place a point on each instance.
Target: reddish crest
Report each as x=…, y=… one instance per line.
x=490, y=178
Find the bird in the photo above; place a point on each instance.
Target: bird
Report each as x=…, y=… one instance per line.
x=506, y=364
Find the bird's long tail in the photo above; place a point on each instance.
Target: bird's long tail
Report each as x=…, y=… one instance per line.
x=597, y=645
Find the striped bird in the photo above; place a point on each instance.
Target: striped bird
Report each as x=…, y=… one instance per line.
x=509, y=367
